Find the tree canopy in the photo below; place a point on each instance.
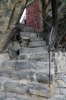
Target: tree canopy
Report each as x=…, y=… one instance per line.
x=62, y=0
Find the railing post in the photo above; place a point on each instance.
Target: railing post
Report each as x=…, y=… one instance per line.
x=49, y=57
x=49, y=50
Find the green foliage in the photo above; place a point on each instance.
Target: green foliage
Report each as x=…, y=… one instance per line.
x=65, y=1
x=30, y=2
x=2, y=91
x=62, y=1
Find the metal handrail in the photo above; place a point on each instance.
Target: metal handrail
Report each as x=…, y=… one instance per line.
x=49, y=49
x=49, y=44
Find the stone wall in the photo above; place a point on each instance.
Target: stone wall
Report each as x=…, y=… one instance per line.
x=60, y=61
x=9, y=13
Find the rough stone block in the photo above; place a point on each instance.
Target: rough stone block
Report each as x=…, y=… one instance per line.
x=45, y=65
x=25, y=65
x=15, y=87
x=25, y=28
x=9, y=74
x=42, y=56
x=19, y=75
x=3, y=58
x=63, y=91
x=4, y=73
x=57, y=60
x=41, y=90
x=24, y=43
x=15, y=46
x=31, y=50
x=58, y=97
x=27, y=75
x=36, y=39
x=11, y=99
x=12, y=96
x=1, y=98
x=61, y=84
x=1, y=83
x=15, y=76
x=37, y=44
x=12, y=53
x=21, y=65
x=23, y=57
x=15, y=98
x=10, y=64
x=5, y=14
x=44, y=78
x=64, y=79
x=27, y=35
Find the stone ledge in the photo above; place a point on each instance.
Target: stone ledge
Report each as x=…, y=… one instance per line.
x=15, y=87
x=31, y=50
x=41, y=90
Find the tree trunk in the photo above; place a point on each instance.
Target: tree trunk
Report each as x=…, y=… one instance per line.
x=55, y=21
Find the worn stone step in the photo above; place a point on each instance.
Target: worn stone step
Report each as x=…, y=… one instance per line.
x=32, y=75
x=13, y=96
x=42, y=90
x=5, y=79
x=18, y=75
x=37, y=44
x=24, y=64
x=14, y=87
x=36, y=39
x=42, y=56
x=27, y=35
x=31, y=50
x=25, y=28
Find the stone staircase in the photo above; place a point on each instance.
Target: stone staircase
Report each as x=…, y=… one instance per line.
x=27, y=77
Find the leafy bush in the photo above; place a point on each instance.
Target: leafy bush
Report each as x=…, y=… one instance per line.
x=62, y=1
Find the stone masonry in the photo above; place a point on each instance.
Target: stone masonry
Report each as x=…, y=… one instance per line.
x=26, y=76
x=9, y=14
x=24, y=66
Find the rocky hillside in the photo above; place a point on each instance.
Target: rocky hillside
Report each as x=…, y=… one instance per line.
x=10, y=11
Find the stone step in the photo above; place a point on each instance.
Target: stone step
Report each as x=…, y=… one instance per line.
x=13, y=96
x=31, y=50
x=37, y=44
x=14, y=87
x=36, y=39
x=24, y=64
x=24, y=98
x=32, y=75
x=42, y=90
x=17, y=75
x=42, y=56
x=27, y=35
x=25, y=28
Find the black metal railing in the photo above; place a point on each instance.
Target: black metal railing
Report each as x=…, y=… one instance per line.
x=49, y=50
x=34, y=17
